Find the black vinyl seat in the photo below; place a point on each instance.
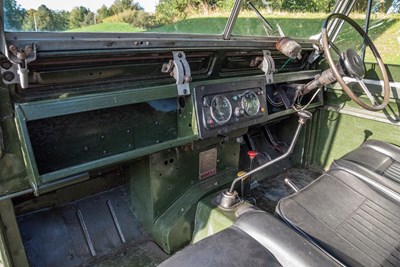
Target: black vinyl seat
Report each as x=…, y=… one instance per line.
x=256, y=239
x=375, y=159
x=352, y=217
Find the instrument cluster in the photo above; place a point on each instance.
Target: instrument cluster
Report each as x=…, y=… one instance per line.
x=225, y=107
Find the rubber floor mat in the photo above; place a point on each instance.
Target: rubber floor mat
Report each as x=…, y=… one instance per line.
x=272, y=189
x=96, y=229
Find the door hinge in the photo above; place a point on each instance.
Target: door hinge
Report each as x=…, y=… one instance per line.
x=179, y=69
x=16, y=70
x=266, y=64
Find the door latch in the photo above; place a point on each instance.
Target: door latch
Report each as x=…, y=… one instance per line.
x=17, y=72
x=179, y=69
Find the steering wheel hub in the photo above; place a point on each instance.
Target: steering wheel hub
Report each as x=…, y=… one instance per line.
x=353, y=64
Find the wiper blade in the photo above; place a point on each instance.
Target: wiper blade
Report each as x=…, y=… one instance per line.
x=260, y=16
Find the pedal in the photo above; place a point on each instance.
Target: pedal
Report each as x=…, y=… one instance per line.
x=289, y=183
x=277, y=145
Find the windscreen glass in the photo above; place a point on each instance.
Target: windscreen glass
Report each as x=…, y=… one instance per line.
x=298, y=19
x=384, y=30
x=163, y=16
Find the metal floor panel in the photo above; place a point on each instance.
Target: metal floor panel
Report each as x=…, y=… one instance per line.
x=82, y=232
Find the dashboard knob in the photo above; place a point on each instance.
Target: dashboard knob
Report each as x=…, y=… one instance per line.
x=239, y=112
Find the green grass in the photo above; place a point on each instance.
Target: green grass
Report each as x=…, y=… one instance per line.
x=108, y=27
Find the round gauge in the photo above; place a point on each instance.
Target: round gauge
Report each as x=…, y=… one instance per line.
x=221, y=109
x=250, y=103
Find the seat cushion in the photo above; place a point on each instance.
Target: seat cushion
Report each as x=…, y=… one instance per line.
x=231, y=247
x=289, y=248
x=256, y=239
x=376, y=156
x=350, y=219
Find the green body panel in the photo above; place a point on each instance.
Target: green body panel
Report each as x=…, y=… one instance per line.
x=166, y=188
x=339, y=134
x=12, y=171
x=210, y=219
x=10, y=234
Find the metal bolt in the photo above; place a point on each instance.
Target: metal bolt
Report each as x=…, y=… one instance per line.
x=102, y=137
x=158, y=141
x=128, y=131
x=8, y=76
x=85, y=148
x=157, y=123
x=6, y=65
x=104, y=152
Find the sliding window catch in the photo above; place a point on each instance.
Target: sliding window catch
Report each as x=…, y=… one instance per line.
x=17, y=72
x=179, y=69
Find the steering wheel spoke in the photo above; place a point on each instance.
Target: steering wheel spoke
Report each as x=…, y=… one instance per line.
x=367, y=92
x=335, y=48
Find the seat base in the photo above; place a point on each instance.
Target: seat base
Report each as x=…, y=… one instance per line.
x=348, y=218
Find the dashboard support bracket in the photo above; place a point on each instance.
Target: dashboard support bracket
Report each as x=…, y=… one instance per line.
x=179, y=69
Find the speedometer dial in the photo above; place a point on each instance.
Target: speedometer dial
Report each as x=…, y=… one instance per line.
x=250, y=103
x=221, y=109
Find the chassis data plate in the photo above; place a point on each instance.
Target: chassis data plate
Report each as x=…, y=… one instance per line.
x=207, y=163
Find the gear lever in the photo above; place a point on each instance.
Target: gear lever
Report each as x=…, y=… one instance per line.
x=228, y=198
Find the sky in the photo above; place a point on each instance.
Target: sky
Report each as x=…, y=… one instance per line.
x=93, y=5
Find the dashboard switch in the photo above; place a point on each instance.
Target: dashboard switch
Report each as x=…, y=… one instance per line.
x=239, y=112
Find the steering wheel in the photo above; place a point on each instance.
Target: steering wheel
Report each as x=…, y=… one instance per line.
x=351, y=65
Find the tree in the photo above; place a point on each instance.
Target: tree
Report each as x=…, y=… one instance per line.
x=61, y=20
x=44, y=18
x=299, y=6
x=14, y=15
x=77, y=17
x=103, y=13
x=29, y=20
x=88, y=19
x=120, y=6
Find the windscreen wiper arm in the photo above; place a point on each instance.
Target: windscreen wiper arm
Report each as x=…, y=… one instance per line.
x=261, y=17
